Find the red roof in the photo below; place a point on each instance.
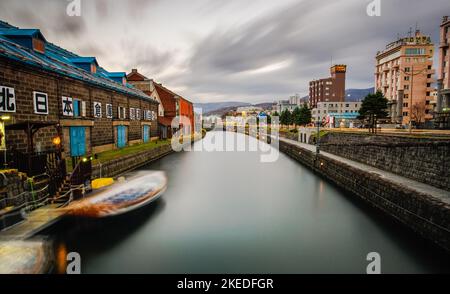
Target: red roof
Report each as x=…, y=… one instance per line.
x=135, y=76
x=165, y=121
x=167, y=98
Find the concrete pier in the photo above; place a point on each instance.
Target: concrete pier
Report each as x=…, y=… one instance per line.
x=34, y=223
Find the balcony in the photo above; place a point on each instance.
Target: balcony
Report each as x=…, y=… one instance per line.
x=443, y=44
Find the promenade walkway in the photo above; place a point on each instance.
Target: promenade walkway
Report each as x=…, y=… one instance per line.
x=440, y=194
x=34, y=223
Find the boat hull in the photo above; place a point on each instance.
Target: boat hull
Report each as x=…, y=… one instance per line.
x=122, y=198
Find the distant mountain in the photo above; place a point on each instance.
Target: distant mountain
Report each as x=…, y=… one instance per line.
x=216, y=109
x=356, y=95
x=221, y=108
x=265, y=106
x=212, y=107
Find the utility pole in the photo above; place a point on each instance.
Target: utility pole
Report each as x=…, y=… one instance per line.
x=318, y=135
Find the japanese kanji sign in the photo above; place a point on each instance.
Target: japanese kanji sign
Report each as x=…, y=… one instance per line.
x=40, y=101
x=7, y=99
x=67, y=106
x=109, y=111
x=97, y=110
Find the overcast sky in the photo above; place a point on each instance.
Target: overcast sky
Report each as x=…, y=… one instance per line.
x=230, y=50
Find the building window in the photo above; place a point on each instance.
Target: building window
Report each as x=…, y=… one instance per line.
x=121, y=112
x=76, y=108
x=38, y=45
x=405, y=113
x=407, y=78
x=415, y=51
x=407, y=69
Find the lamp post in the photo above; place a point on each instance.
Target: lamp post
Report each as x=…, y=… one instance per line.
x=3, y=118
x=318, y=135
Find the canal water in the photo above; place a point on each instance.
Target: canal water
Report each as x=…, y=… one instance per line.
x=227, y=212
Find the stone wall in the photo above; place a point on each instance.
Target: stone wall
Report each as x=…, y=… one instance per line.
x=422, y=159
x=422, y=213
x=124, y=164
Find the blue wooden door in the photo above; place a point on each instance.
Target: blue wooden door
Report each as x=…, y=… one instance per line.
x=121, y=136
x=77, y=141
x=146, y=134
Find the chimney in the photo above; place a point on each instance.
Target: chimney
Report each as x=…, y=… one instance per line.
x=444, y=19
x=134, y=70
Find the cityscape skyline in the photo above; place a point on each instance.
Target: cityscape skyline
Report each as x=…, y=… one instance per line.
x=212, y=52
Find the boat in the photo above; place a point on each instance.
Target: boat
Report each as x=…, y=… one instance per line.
x=25, y=257
x=121, y=197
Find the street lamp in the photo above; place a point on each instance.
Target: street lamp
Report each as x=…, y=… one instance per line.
x=3, y=118
x=318, y=135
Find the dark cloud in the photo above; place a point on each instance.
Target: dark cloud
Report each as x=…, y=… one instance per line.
x=262, y=57
x=308, y=34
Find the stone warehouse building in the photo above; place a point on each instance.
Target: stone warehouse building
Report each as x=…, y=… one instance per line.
x=48, y=94
x=171, y=105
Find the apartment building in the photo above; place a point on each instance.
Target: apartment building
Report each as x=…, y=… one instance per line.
x=404, y=74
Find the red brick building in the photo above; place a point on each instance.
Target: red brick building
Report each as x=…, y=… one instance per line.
x=331, y=89
x=171, y=104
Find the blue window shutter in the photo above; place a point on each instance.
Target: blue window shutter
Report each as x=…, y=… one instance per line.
x=82, y=141
x=73, y=141
x=76, y=108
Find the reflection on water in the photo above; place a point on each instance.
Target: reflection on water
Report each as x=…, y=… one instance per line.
x=229, y=213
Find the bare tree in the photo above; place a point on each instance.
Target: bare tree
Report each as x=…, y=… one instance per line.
x=418, y=113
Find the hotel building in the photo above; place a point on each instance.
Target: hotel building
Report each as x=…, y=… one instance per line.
x=331, y=89
x=404, y=74
x=443, y=99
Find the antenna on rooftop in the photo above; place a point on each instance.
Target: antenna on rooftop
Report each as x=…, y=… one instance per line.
x=410, y=32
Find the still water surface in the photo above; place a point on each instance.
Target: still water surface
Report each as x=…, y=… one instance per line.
x=226, y=212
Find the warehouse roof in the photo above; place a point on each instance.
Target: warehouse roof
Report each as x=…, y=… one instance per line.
x=59, y=61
